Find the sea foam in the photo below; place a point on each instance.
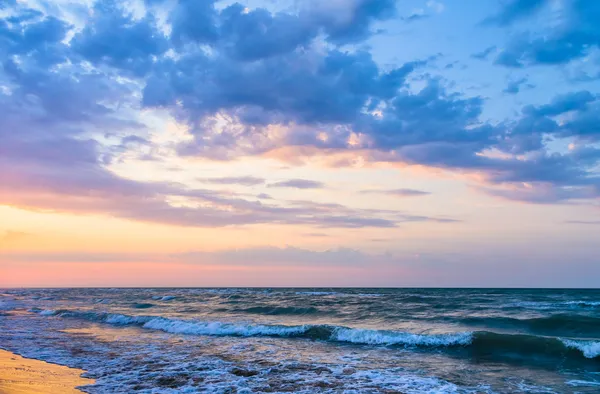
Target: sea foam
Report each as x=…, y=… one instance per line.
x=378, y=337
x=590, y=349
x=216, y=328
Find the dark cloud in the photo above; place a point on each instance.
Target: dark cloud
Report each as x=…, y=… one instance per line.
x=415, y=17
x=116, y=39
x=67, y=106
x=251, y=34
x=577, y=35
x=194, y=21
x=351, y=21
x=303, y=88
x=516, y=85
x=56, y=106
x=574, y=101
x=298, y=184
x=483, y=55
x=259, y=34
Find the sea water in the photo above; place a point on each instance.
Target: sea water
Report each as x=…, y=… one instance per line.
x=235, y=340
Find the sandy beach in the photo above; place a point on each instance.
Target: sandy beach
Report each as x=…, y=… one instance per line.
x=19, y=375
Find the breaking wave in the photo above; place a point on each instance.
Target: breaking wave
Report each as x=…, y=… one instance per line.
x=479, y=343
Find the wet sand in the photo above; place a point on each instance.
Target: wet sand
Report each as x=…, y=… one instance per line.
x=19, y=375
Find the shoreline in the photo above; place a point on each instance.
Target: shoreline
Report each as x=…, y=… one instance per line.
x=20, y=375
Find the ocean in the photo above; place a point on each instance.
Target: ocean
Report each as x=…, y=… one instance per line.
x=259, y=340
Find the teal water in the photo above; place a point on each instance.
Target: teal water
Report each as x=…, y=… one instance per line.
x=313, y=340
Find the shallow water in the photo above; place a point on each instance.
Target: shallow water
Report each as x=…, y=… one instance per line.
x=312, y=340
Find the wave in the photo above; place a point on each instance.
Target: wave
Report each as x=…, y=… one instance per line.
x=590, y=349
x=583, y=303
x=338, y=294
x=579, y=383
x=487, y=343
x=559, y=324
x=382, y=337
x=310, y=331
x=318, y=293
x=554, y=304
x=143, y=305
x=163, y=298
x=478, y=343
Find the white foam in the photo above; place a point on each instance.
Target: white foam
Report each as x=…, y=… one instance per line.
x=590, y=349
x=583, y=303
x=122, y=320
x=578, y=383
x=408, y=383
x=219, y=329
x=533, y=389
x=163, y=298
x=47, y=312
x=375, y=337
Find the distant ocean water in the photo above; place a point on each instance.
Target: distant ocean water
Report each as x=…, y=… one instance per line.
x=236, y=340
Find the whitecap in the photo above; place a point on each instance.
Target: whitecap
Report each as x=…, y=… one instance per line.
x=578, y=383
x=220, y=329
x=590, y=349
x=163, y=298
x=377, y=337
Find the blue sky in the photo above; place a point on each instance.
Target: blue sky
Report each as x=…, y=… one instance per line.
x=429, y=138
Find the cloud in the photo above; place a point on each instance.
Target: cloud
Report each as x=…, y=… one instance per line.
x=586, y=222
x=280, y=256
x=350, y=21
x=515, y=86
x=251, y=82
x=515, y=10
x=398, y=192
x=417, y=16
x=235, y=180
x=252, y=34
x=316, y=235
x=11, y=236
x=114, y=38
x=298, y=184
x=259, y=256
x=574, y=38
x=560, y=104
x=483, y=55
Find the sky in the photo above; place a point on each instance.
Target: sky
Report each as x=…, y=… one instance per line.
x=300, y=143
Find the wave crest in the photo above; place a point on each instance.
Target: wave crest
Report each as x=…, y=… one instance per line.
x=379, y=337
x=480, y=343
x=590, y=349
